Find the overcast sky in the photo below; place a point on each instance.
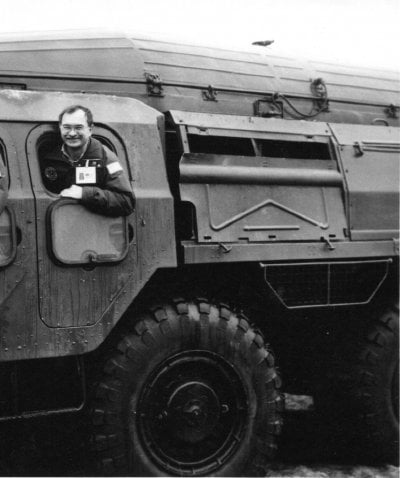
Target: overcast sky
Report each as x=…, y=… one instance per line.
x=361, y=32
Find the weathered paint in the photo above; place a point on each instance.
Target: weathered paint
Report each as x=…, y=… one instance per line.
x=49, y=309
x=370, y=158
x=117, y=64
x=350, y=193
x=32, y=323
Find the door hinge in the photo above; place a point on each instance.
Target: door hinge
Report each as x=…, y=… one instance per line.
x=391, y=111
x=210, y=94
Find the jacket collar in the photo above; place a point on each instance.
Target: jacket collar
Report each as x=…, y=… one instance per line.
x=64, y=152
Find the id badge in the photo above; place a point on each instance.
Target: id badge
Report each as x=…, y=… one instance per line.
x=85, y=175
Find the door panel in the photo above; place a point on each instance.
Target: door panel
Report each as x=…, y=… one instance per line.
x=75, y=292
x=371, y=156
x=259, y=179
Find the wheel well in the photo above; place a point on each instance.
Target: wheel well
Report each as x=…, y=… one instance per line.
x=302, y=340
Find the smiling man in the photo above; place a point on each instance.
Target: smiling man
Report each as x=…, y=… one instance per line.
x=86, y=170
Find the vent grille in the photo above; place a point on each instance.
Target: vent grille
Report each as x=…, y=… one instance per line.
x=326, y=284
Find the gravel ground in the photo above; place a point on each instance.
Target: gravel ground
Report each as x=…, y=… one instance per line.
x=53, y=447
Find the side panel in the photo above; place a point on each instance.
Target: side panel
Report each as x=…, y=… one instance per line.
x=273, y=180
x=167, y=75
x=155, y=225
x=18, y=279
x=262, y=203
x=371, y=156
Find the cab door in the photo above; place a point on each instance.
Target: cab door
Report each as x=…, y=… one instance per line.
x=84, y=259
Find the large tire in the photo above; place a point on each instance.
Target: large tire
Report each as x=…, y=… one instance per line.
x=191, y=391
x=374, y=390
x=360, y=400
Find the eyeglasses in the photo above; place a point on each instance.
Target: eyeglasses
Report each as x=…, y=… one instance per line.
x=69, y=127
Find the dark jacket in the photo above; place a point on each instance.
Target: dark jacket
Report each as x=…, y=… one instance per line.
x=110, y=194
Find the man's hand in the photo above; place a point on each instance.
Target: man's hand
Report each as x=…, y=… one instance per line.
x=73, y=191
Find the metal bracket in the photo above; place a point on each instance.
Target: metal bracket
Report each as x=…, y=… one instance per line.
x=154, y=84
x=392, y=110
x=320, y=91
x=268, y=108
x=331, y=247
x=210, y=94
x=358, y=148
x=396, y=246
x=225, y=249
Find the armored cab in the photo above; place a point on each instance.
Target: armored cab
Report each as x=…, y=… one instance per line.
x=266, y=212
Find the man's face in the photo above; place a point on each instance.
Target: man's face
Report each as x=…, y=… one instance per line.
x=75, y=131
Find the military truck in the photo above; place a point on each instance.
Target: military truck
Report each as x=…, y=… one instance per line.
x=265, y=235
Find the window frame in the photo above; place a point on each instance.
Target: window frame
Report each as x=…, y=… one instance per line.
x=91, y=260
x=35, y=141
x=13, y=237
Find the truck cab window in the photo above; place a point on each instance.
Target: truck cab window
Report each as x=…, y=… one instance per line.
x=48, y=143
x=51, y=142
x=78, y=236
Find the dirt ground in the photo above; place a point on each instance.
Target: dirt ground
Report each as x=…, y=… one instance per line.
x=53, y=447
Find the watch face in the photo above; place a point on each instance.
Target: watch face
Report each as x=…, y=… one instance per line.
x=51, y=173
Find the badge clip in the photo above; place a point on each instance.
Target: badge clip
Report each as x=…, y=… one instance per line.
x=85, y=174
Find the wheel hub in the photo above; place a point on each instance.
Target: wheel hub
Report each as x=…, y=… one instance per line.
x=193, y=409
x=192, y=413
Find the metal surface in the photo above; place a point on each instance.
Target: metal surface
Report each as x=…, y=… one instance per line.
x=343, y=205
x=261, y=198
x=218, y=124
x=55, y=304
x=274, y=251
x=192, y=413
x=43, y=412
x=370, y=158
x=116, y=64
x=211, y=169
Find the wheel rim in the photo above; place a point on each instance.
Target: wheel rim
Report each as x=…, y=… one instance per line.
x=192, y=413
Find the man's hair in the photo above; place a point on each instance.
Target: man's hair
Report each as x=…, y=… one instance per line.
x=72, y=109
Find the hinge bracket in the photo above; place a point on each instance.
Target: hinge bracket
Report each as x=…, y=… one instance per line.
x=154, y=84
x=328, y=243
x=358, y=148
x=268, y=108
x=392, y=110
x=210, y=94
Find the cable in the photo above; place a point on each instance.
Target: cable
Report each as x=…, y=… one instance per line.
x=322, y=108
